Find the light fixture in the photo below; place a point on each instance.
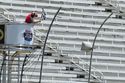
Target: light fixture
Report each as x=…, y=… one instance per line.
x=86, y=46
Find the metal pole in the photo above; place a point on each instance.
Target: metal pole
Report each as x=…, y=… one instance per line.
x=94, y=45
x=3, y=67
x=4, y=73
x=18, y=69
x=21, y=76
x=44, y=46
x=9, y=67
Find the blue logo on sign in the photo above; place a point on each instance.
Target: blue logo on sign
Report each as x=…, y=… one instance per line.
x=28, y=35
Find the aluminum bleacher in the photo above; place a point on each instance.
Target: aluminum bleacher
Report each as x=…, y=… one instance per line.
x=78, y=21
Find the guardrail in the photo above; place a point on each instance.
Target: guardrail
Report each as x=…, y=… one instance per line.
x=115, y=4
x=9, y=17
x=84, y=66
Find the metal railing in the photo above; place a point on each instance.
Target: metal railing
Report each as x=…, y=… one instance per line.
x=115, y=4
x=35, y=59
x=8, y=16
x=84, y=66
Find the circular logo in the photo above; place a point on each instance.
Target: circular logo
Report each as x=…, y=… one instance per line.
x=1, y=34
x=28, y=35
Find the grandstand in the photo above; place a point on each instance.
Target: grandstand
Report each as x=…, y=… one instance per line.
x=77, y=22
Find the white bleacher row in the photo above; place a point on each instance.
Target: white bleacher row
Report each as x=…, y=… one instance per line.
x=110, y=68
x=83, y=19
x=51, y=69
x=52, y=60
x=87, y=19
x=77, y=42
x=28, y=4
x=109, y=33
x=19, y=8
x=114, y=34
x=53, y=5
x=112, y=63
x=82, y=35
x=47, y=60
x=71, y=2
x=112, y=78
x=50, y=1
x=108, y=74
x=39, y=4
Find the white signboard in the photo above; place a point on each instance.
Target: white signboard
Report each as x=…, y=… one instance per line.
x=19, y=34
